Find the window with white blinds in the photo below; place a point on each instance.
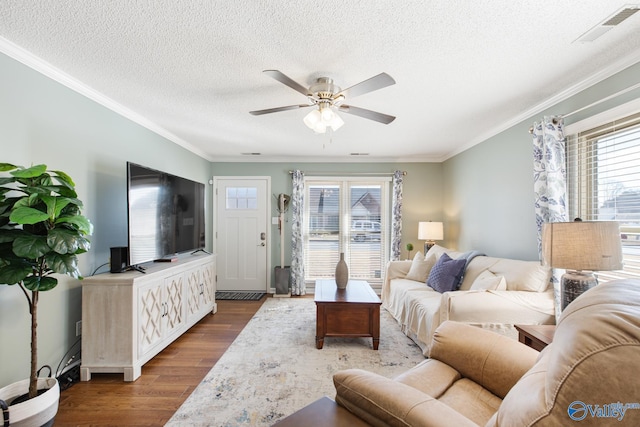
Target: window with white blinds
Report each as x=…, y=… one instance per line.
x=603, y=184
x=347, y=215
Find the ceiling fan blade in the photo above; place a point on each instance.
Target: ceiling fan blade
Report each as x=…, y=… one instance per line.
x=367, y=114
x=374, y=83
x=279, y=76
x=278, y=109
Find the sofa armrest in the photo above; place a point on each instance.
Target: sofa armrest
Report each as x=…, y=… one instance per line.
x=381, y=401
x=492, y=360
x=395, y=270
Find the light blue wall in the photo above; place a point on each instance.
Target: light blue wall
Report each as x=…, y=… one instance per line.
x=42, y=121
x=488, y=189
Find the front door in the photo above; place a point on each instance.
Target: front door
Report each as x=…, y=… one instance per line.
x=241, y=224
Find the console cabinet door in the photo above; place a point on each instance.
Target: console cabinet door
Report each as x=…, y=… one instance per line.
x=161, y=311
x=201, y=292
x=174, y=315
x=208, y=281
x=195, y=301
x=151, y=314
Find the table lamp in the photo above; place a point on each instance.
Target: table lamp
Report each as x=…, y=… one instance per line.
x=581, y=247
x=430, y=231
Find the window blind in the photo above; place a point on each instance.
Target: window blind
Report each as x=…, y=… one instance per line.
x=603, y=184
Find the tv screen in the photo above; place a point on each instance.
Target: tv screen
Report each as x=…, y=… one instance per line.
x=165, y=214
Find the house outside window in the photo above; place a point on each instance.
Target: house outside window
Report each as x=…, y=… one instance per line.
x=347, y=215
x=603, y=184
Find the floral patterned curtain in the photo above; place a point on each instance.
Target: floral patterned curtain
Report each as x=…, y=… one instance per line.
x=297, y=243
x=549, y=181
x=396, y=215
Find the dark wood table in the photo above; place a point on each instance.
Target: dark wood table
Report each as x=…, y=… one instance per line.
x=323, y=412
x=350, y=312
x=536, y=336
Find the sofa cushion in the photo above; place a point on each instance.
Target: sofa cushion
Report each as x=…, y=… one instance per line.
x=383, y=402
x=487, y=281
x=438, y=250
x=446, y=274
x=521, y=275
x=471, y=400
x=421, y=267
x=431, y=377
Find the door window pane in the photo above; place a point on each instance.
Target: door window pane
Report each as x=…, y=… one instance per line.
x=241, y=198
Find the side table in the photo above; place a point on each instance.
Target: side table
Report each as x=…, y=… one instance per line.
x=324, y=412
x=535, y=336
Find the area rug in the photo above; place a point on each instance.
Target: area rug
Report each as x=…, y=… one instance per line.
x=246, y=296
x=273, y=368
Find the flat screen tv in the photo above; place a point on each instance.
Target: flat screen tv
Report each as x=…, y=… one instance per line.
x=165, y=214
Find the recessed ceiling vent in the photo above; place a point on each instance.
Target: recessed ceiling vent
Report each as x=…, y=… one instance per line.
x=616, y=19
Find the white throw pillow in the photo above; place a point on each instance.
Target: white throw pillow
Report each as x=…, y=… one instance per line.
x=421, y=267
x=489, y=282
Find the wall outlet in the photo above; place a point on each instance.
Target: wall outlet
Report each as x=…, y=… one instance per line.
x=79, y=328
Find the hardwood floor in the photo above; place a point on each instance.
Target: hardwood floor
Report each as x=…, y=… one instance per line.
x=167, y=379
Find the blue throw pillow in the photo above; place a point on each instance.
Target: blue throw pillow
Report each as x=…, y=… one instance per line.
x=446, y=274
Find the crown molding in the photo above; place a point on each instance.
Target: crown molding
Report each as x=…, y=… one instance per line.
x=590, y=81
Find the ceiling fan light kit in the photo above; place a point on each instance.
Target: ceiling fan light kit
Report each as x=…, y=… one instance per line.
x=322, y=118
x=328, y=97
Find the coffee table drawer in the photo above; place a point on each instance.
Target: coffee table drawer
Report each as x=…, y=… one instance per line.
x=349, y=319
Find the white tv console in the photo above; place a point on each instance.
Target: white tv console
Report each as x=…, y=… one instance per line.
x=128, y=318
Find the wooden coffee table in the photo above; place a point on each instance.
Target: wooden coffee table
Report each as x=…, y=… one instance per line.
x=351, y=312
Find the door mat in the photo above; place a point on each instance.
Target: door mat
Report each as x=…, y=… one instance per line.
x=246, y=296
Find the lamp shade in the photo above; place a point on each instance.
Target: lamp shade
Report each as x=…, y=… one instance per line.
x=582, y=245
x=430, y=231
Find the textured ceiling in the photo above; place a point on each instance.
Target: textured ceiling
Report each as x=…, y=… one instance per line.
x=192, y=70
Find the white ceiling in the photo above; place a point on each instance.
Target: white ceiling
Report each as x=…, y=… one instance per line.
x=192, y=70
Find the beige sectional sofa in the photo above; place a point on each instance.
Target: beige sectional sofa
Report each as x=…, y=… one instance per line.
x=495, y=294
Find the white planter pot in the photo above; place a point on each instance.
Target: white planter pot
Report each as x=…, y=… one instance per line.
x=36, y=412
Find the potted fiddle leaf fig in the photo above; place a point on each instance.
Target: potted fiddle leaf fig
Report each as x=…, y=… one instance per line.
x=41, y=233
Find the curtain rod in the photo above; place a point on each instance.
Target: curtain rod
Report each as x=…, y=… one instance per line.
x=404, y=173
x=600, y=101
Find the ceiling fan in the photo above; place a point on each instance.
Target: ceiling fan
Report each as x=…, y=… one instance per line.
x=328, y=97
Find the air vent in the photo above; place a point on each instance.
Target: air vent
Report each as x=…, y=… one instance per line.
x=621, y=16
x=359, y=154
x=251, y=154
x=610, y=22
